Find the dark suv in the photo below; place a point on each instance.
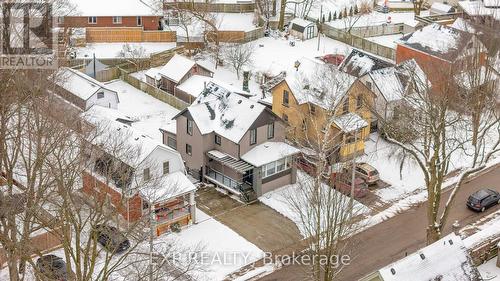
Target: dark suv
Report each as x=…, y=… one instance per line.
x=111, y=238
x=52, y=267
x=483, y=199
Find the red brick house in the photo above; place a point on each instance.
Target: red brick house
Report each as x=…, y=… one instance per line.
x=438, y=49
x=175, y=72
x=135, y=174
x=111, y=13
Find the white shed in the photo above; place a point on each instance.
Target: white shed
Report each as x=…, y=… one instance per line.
x=303, y=29
x=441, y=9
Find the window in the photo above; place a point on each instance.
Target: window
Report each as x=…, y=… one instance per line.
x=253, y=136
x=304, y=125
x=92, y=20
x=286, y=97
x=369, y=85
x=349, y=138
x=359, y=101
x=139, y=21
x=60, y=20
x=285, y=117
x=270, y=130
x=189, y=128
x=312, y=109
x=117, y=20
x=217, y=139
x=172, y=143
x=276, y=166
x=166, y=168
x=189, y=149
x=401, y=28
x=100, y=95
x=345, y=105
x=146, y=174
x=145, y=205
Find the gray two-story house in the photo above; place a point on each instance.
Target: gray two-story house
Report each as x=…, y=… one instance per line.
x=235, y=143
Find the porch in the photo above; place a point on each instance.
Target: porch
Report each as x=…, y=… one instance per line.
x=173, y=214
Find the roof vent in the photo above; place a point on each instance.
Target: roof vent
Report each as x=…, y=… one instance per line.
x=450, y=241
x=239, y=101
x=251, y=106
x=422, y=256
x=393, y=271
x=136, y=139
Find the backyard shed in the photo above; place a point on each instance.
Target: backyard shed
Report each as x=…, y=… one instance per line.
x=303, y=29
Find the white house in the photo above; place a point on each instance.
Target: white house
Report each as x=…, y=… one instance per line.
x=303, y=29
x=83, y=91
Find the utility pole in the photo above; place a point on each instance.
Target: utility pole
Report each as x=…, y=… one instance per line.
x=353, y=172
x=319, y=24
x=151, y=235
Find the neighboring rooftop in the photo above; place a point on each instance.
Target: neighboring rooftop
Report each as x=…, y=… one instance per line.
x=268, y=152
x=438, y=40
x=350, y=122
x=481, y=8
x=390, y=83
x=172, y=185
x=115, y=8
x=177, y=67
x=195, y=85
x=358, y=63
x=445, y=260
x=78, y=83
x=223, y=112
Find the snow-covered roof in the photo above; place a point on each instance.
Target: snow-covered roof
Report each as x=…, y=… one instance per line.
x=109, y=113
x=350, y=122
x=116, y=8
x=445, y=260
x=195, y=84
x=172, y=185
x=177, y=67
x=219, y=110
x=441, y=8
x=389, y=82
x=268, y=152
x=318, y=83
x=358, y=63
x=77, y=83
x=478, y=8
x=299, y=24
x=438, y=40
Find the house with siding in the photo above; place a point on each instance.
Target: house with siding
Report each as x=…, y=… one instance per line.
x=318, y=99
x=136, y=174
x=235, y=143
x=111, y=14
x=82, y=90
x=177, y=70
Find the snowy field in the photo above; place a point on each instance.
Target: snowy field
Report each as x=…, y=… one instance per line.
x=112, y=50
x=386, y=40
x=279, y=200
x=149, y=113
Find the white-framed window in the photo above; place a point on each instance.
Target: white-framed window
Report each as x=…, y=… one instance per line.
x=218, y=139
x=253, y=136
x=146, y=175
x=100, y=95
x=139, y=21
x=270, y=130
x=117, y=20
x=92, y=20
x=189, y=149
x=189, y=128
x=276, y=166
x=171, y=142
x=166, y=167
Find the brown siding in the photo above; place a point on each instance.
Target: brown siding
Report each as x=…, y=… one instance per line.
x=148, y=22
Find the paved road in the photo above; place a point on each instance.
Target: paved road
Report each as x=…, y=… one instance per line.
x=390, y=240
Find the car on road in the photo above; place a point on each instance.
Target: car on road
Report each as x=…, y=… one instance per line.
x=343, y=184
x=367, y=172
x=52, y=267
x=483, y=199
x=111, y=238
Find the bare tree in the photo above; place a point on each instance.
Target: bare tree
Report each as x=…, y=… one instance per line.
x=418, y=6
x=238, y=56
x=134, y=54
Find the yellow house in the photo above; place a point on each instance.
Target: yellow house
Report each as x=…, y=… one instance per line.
x=331, y=99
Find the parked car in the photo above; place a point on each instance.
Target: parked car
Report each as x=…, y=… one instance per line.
x=52, y=267
x=367, y=172
x=111, y=238
x=483, y=199
x=334, y=59
x=343, y=184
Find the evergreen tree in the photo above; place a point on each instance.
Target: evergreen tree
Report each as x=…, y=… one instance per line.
x=345, y=13
x=335, y=15
x=329, y=16
x=356, y=10
x=323, y=18
x=340, y=15
x=350, y=12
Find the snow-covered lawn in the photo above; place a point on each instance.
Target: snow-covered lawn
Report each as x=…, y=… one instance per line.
x=279, y=201
x=149, y=113
x=112, y=50
x=386, y=40
x=217, y=240
x=376, y=18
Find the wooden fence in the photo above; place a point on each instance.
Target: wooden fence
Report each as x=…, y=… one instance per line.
x=213, y=7
x=153, y=91
x=127, y=34
x=359, y=42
